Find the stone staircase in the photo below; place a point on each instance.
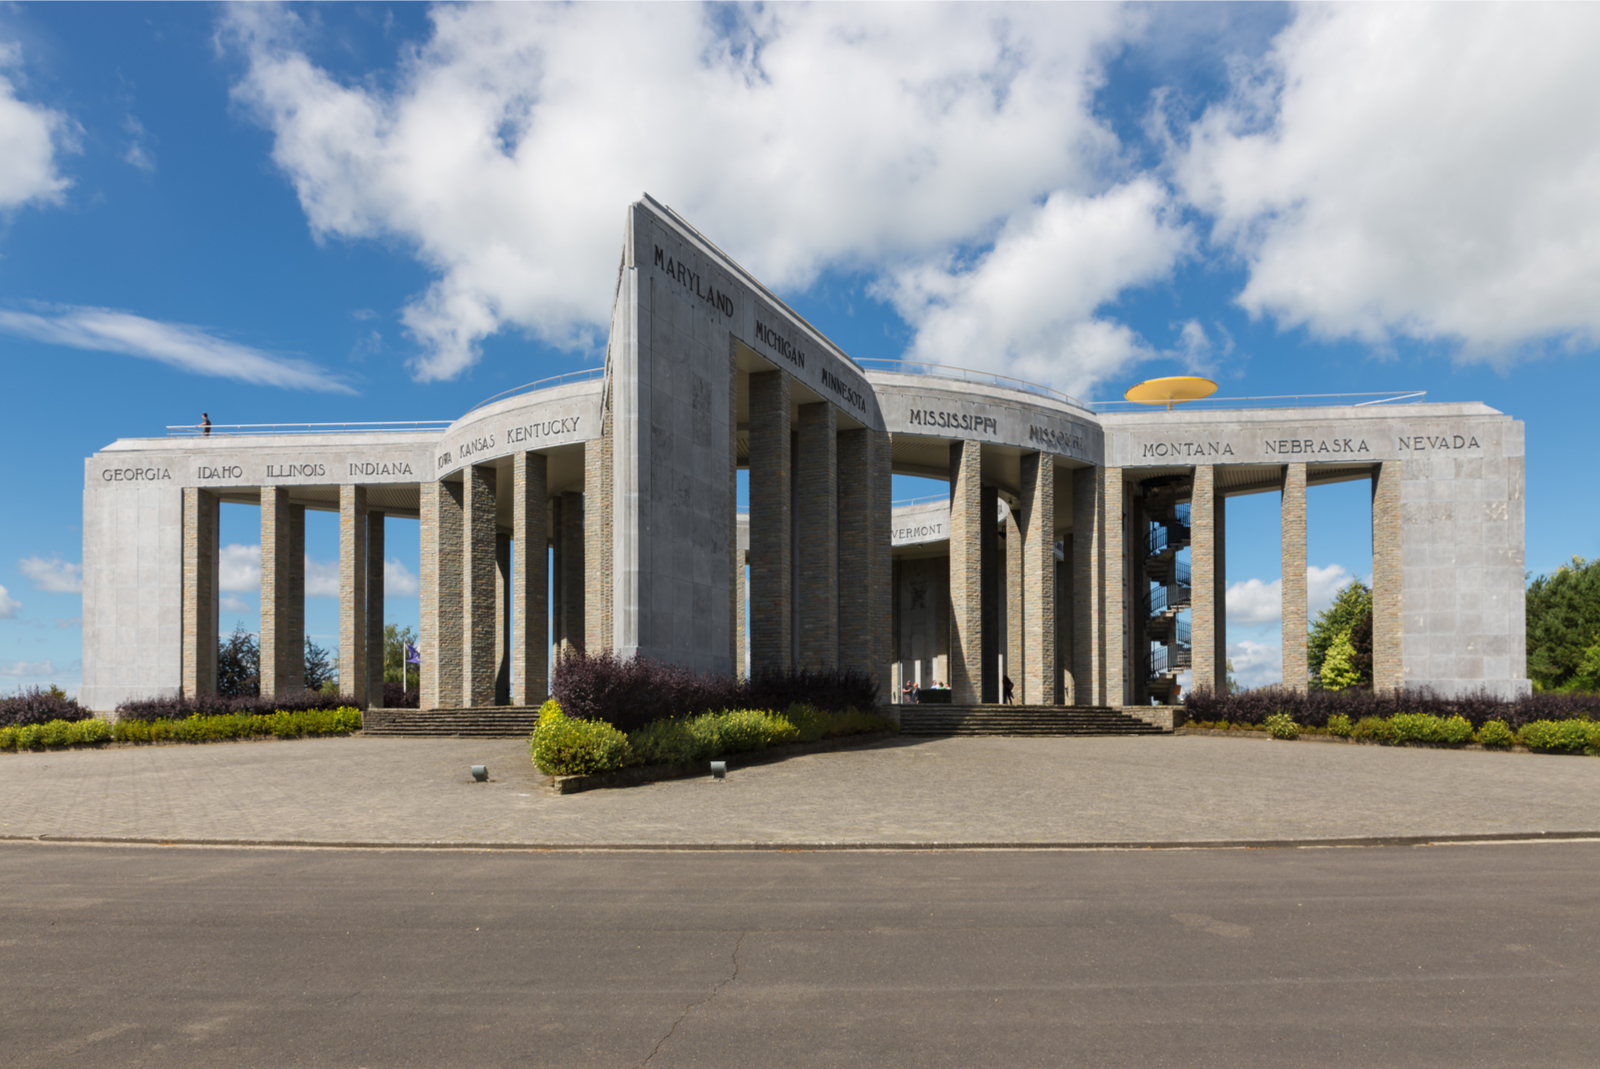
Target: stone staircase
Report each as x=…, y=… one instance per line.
x=1022, y=720
x=494, y=722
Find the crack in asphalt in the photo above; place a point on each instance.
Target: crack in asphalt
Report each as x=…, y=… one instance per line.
x=724, y=982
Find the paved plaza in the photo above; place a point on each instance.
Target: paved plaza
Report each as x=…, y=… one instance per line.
x=896, y=792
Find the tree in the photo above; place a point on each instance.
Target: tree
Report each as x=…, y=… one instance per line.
x=1338, y=666
x=1563, y=622
x=239, y=664
x=1231, y=680
x=1350, y=605
x=320, y=667
x=395, y=638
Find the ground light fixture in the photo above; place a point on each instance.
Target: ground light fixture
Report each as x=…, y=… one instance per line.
x=719, y=770
x=480, y=773
x=1171, y=390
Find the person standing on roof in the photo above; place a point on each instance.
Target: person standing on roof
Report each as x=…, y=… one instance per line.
x=205, y=424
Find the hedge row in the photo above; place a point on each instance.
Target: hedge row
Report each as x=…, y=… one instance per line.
x=207, y=705
x=628, y=694
x=1314, y=708
x=283, y=724
x=563, y=745
x=36, y=706
x=1576, y=735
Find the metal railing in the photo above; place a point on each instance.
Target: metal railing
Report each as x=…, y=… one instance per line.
x=1288, y=400
x=1170, y=659
x=224, y=430
x=1168, y=598
x=543, y=384
x=964, y=374
x=929, y=500
x=1163, y=536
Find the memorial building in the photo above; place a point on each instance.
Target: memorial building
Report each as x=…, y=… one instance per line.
x=1079, y=552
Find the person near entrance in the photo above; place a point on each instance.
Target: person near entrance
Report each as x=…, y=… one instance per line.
x=1010, y=690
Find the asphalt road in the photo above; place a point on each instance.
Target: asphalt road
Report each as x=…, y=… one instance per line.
x=1404, y=956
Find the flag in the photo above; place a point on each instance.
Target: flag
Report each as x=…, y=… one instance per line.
x=413, y=656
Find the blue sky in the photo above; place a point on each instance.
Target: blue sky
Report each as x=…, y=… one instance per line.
x=373, y=212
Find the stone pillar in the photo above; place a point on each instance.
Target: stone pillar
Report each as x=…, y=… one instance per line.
x=967, y=520
x=1138, y=583
x=866, y=589
x=200, y=563
x=1088, y=586
x=1203, y=580
x=1388, y=661
x=375, y=610
x=353, y=595
x=739, y=620
x=599, y=581
x=771, y=566
x=1116, y=587
x=1219, y=604
x=1037, y=550
x=502, y=618
x=989, y=551
x=440, y=640
x=530, y=646
x=1015, y=662
x=1295, y=669
x=282, y=657
x=570, y=571
x=478, y=566
x=817, y=520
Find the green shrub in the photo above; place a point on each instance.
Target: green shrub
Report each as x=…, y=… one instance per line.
x=8, y=737
x=1455, y=731
x=1373, y=729
x=810, y=722
x=1414, y=727
x=28, y=736
x=283, y=724
x=55, y=733
x=709, y=735
x=562, y=746
x=1496, y=733
x=1282, y=726
x=1340, y=725
x=1560, y=736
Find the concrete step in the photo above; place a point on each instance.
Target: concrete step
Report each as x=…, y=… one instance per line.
x=496, y=722
x=1036, y=720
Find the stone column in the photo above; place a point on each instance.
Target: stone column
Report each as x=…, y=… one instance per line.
x=739, y=620
x=375, y=610
x=478, y=566
x=1388, y=661
x=295, y=680
x=967, y=520
x=989, y=550
x=1037, y=550
x=278, y=653
x=599, y=581
x=1219, y=609
x=530, y=649
x=440, y=641
x=569, y=545
x=1295, y=669
x=866, y=590
x=502, y=618
x=1088, y=586
x=1116, y=587
x=1203, y=580
x=353, y=595
x=1015, y=663
x=1138, y=583
x=817, y=520
x=200, y=563
x=771, y=566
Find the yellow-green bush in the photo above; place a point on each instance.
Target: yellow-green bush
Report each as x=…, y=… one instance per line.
x=1282, y=726
x=281, y=724
x=1373, y=729
x=1561, y=736
x=562, y=746
x=1340, y=725
x=700, y=738
x=1495, y=733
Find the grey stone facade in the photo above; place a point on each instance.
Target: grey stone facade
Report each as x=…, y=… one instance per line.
x=1036, y=561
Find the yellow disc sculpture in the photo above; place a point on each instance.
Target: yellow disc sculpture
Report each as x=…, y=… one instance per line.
x=1172, y=390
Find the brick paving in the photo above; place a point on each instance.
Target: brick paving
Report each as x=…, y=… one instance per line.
x=989, y=790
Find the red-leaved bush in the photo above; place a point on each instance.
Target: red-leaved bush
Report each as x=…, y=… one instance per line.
x=632, y=693
x=37, y=706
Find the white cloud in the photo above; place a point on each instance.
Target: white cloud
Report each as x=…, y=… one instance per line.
x=1256, y=664
x=138, y=153
x=1322, y=584
x=230, y=603
x=322, y=578
x=878, y=138
x=28, y=669
x=30, y=139
x=239, y=568
x=179, y=345
x=1414, y=170
x=1255, y=602
x=399, y=581
x=8, y=605
x=53, y=576
x=64, y=624
x=1027, y=308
